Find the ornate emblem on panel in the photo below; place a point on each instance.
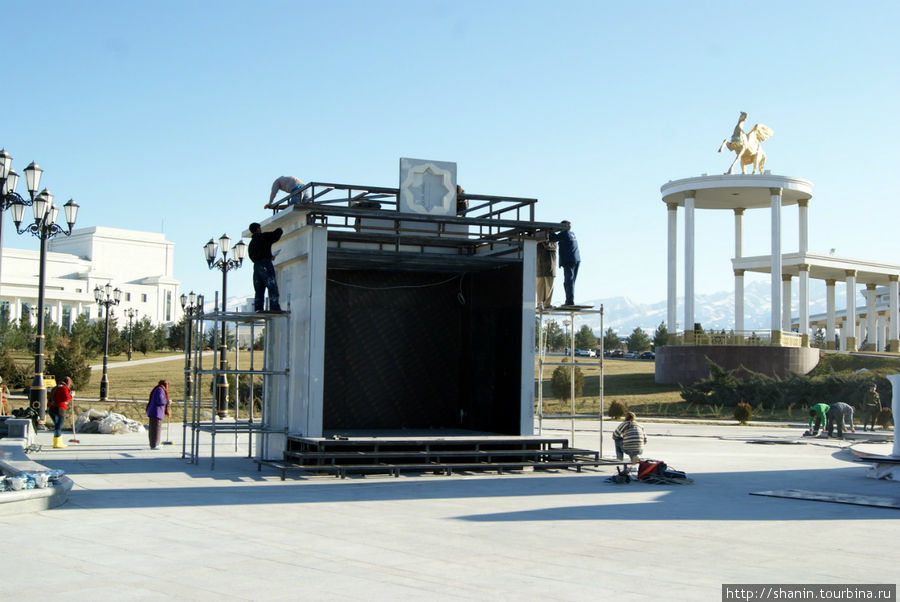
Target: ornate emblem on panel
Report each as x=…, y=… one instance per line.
x=427, y=187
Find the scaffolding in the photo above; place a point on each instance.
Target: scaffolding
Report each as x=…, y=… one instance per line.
x=568, y=360
x=247, y=403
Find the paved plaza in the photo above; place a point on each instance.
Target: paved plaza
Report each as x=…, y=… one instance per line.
x=148, y=525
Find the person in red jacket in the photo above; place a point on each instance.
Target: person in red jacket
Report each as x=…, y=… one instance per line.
x=61, y=396
x=4, y=398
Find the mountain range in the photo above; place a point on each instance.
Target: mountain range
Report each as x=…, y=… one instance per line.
x=712, y=311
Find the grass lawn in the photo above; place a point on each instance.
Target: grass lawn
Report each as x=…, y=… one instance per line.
x=130, y=386
x=627, y=381
x=630, y=382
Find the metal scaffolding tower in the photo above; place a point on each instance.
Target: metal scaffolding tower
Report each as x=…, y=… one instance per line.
x=568, y=360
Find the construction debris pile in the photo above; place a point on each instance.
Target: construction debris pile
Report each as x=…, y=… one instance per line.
x=106, y=423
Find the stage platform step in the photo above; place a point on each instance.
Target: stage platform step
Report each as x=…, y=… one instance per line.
x=342, y=455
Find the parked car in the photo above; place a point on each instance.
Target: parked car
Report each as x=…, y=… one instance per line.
x=617, y=353
x=648, y=355
x=631, y=355
x=585, y=353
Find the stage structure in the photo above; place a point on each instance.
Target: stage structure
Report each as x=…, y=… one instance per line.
x=409, y=328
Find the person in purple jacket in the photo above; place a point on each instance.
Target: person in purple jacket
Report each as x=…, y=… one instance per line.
x=157, y=411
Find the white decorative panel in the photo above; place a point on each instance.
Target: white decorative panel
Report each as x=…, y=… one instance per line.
x=427, y=187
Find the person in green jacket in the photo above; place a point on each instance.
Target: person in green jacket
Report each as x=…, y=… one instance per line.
x=817, y=418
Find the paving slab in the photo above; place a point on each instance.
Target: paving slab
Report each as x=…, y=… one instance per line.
x=145, y=524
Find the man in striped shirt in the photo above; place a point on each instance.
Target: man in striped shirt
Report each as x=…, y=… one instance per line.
x=629, y=438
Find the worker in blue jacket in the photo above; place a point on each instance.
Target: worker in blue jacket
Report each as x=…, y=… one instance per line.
x=569, y=259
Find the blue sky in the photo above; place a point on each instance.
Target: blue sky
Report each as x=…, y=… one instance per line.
x=176, y=116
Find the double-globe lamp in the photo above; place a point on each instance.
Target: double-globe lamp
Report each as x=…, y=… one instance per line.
x=44, y=226
x=105, y=298
x=225, y=264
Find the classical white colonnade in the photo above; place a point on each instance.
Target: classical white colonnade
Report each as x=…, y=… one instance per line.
x=738, y=193
x=741, y=192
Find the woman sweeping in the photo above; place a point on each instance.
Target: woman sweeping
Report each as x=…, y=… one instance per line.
x=157, y=411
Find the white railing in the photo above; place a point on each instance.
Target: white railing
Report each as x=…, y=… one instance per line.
x=739, y=338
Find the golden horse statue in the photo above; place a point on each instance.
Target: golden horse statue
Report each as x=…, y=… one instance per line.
x=748, y=147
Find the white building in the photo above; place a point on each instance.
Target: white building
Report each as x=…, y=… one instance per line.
x=137, y=263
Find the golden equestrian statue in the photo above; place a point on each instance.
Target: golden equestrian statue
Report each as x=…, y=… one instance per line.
x=748, y=147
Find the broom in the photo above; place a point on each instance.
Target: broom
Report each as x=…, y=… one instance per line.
x=73, y=439
x=167, y=441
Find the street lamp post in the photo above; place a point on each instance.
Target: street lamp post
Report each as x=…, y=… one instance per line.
x=131, y=313
x=224, y=264
x=44, y=227
x=105, y=299
x=193, y=306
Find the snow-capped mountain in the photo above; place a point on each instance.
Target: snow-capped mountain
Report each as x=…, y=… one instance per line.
x=712, y=311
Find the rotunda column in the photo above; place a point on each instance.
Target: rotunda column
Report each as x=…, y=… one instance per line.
x=871, y=331
x=739, y=303
x=893, y=317
x=829, y=313
x=689, y=263
x=803, y=205
x=672, y=293
x=850, y=320
x=776, y=265
x=803, y=314
x=738, y=233
x=786, y=303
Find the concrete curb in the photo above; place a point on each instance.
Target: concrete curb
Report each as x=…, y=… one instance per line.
x=13, y=463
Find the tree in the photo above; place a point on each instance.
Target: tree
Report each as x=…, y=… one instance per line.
x=585, y=338
x=95, y=340
x=158, y=338
x=117, y=344
x=638, y=340
x=555, y=337
x=819, y=339
x=661, y=336
x=70, y=360
x=210, y=338
x=52, y=333
x=561, y=382
x=175, y=338
x=14, y=375
x=21, y=335
x=143, y=335
x=611, y=339
x=81, y=330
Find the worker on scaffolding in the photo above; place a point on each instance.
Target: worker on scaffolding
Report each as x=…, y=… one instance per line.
x=260, y=252
x=569, y=259
x=288, y=184
x=546, y=273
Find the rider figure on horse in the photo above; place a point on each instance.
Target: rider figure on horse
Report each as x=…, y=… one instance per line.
x=747, y=146
x=738, y=137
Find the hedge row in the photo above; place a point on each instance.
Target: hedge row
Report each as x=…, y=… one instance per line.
x=732, y=387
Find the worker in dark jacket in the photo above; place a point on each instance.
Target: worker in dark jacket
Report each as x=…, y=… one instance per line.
x=839, y=414
x=569, y=259
x=260, y=252
x=871, y=407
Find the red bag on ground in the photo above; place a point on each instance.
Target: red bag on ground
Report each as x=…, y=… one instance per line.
x=650, y=467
